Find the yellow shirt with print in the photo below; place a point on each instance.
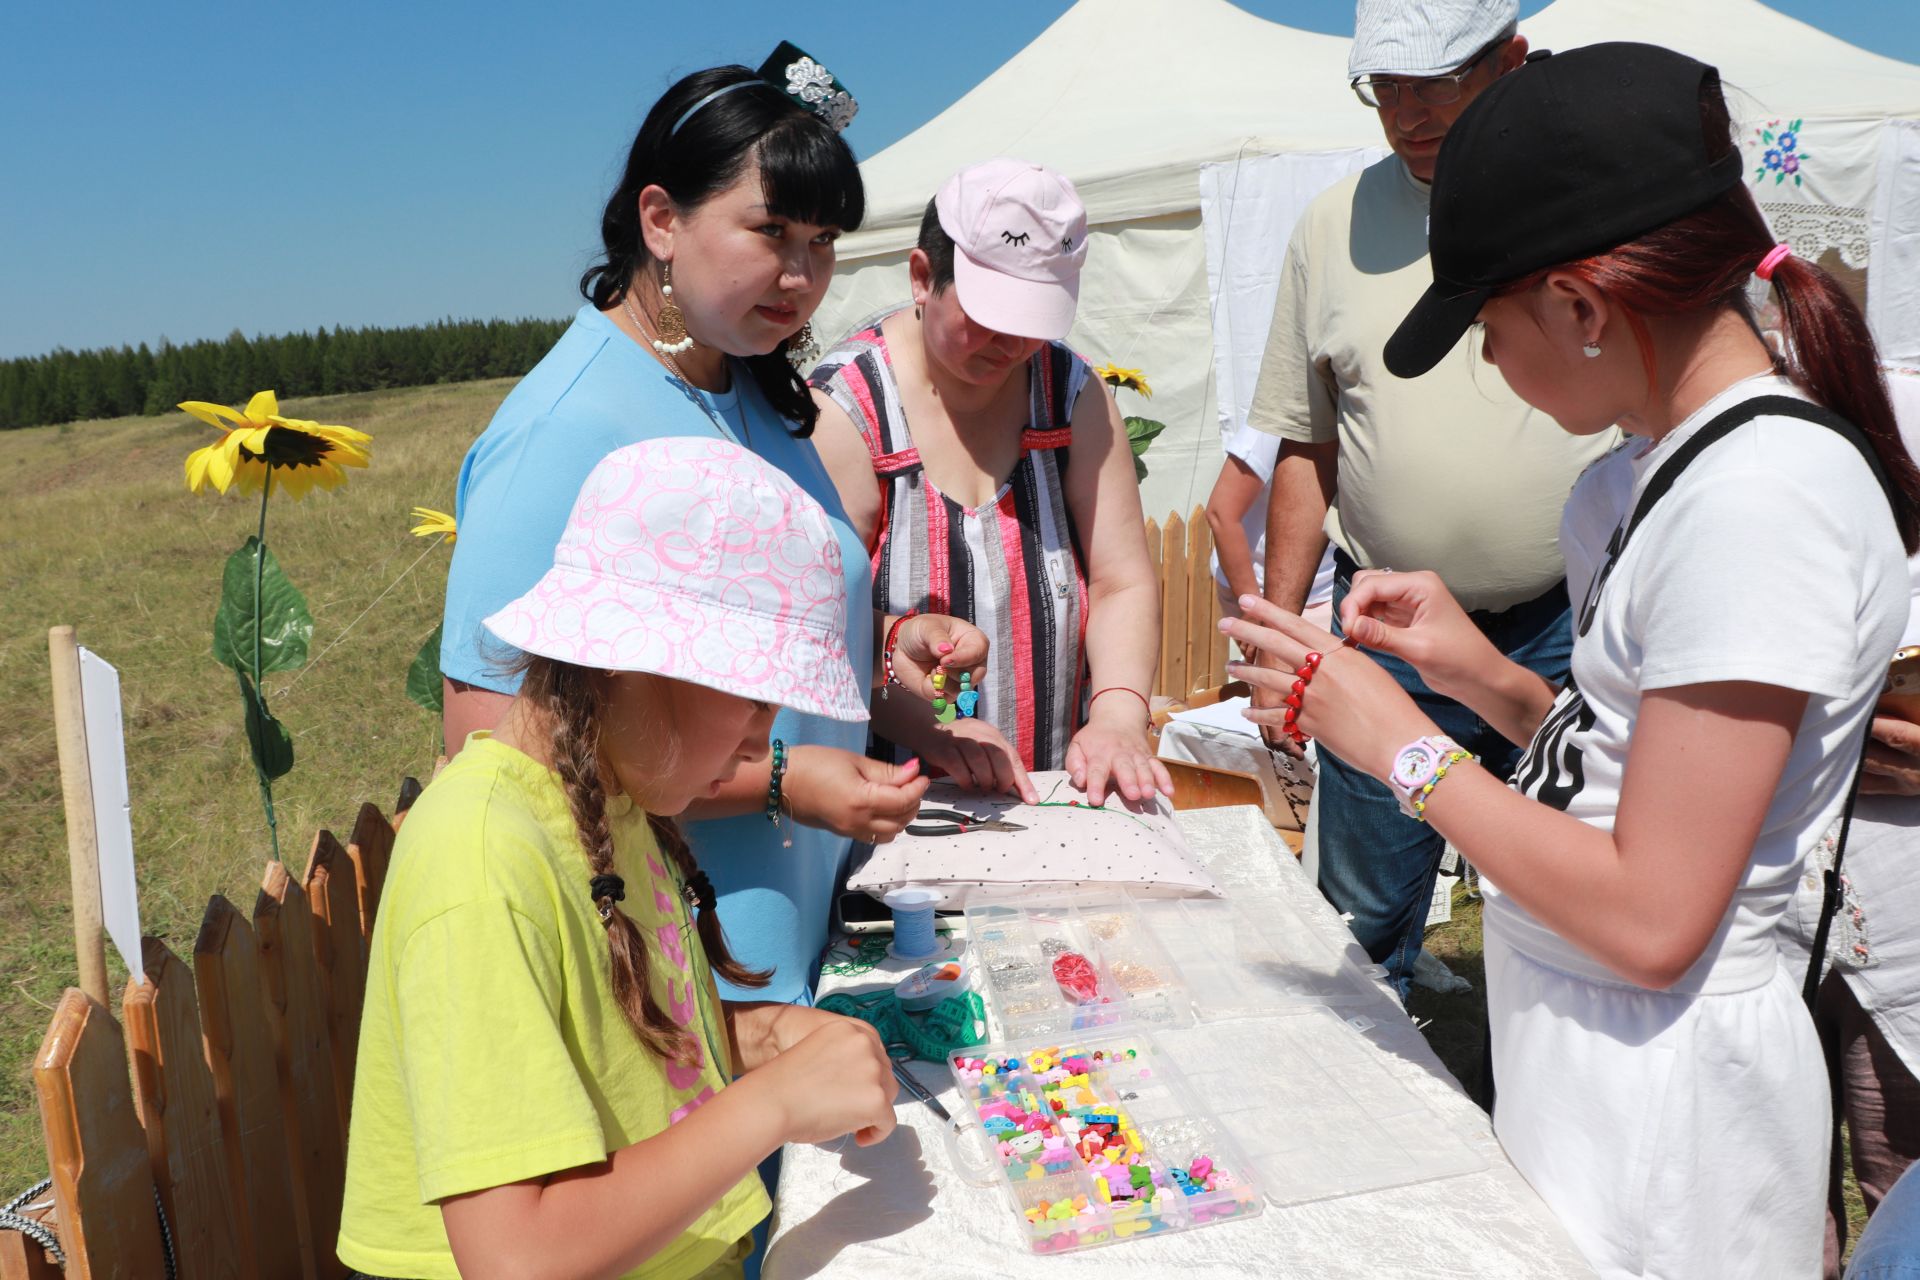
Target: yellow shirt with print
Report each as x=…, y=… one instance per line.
x=491, y=1047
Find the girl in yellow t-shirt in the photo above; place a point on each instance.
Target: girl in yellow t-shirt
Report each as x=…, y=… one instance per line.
x=546, y=1079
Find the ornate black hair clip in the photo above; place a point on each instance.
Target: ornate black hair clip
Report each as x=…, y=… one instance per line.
x=793, y=72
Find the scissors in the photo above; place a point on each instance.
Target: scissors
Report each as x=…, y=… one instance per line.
x=951, y=822
x=914, y=1087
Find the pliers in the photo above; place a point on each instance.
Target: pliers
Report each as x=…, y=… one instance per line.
x=951, y=822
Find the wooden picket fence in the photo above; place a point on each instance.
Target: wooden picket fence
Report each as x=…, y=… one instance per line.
x=1193, y=653
x=224, y=1099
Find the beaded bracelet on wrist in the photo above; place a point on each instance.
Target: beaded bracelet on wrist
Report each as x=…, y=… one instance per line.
x=775, y=775
x=886, y=653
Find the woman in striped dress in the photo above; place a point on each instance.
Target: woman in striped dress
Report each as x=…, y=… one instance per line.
x=989, y=487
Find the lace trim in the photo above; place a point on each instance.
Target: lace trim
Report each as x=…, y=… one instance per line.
x=1813, y=229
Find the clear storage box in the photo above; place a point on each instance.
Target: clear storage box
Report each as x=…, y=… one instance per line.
x=1100, y=1139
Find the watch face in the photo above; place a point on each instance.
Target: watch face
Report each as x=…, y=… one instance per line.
x=1413, y=766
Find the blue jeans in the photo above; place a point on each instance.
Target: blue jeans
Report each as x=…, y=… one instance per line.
x=1889, y=1248
x=1376, y=863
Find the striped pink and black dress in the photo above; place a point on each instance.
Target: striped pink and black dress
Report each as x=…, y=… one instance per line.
x=1013, y=567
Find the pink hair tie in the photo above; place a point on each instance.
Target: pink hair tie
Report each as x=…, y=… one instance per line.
x=1775, y=256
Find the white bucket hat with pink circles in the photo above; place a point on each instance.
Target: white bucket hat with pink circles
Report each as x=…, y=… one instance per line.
x=694, y=559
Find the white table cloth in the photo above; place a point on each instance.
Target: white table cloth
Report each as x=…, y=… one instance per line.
x=899, y=1211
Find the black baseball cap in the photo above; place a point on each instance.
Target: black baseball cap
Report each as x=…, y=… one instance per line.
x=1567, y=156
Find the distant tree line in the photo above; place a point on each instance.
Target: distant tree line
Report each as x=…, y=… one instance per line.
x=69, y=386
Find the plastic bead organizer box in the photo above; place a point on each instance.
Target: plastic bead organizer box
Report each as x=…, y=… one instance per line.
x=1107, y=1110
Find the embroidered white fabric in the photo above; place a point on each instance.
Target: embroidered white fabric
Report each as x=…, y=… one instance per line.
x=900, y=1210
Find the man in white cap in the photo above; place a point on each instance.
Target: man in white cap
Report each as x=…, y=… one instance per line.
x=1441, y=472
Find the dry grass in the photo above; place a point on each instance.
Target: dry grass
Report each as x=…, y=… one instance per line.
x=99, y=531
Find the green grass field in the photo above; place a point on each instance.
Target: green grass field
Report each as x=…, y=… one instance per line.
x=99, y=531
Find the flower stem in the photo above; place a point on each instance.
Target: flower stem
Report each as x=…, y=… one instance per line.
x=259, y=688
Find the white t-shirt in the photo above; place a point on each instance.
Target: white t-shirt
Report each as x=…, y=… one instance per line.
x=1260, y=450
x=1773, y=558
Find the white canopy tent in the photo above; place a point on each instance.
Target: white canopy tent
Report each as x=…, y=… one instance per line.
x=1131, y=98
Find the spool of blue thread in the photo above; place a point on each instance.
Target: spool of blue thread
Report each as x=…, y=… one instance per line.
x=913, y=936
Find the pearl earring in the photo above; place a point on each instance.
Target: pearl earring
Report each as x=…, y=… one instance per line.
x=1591, y=350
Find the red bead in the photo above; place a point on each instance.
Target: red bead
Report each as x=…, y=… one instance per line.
x=1293, y=700
x=1299, y=686
x=1313, y=659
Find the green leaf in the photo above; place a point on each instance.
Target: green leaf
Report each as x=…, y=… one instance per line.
x=1139, y=469
x=1766, y=135
x=271, y=743
x=1140, y=433
x=1794, y=127
x=423, y=677
x=285, y=624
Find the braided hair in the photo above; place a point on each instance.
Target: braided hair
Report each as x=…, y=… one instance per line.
x=565, y=696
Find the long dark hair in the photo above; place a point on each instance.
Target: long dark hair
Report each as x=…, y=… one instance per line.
x=1705, y=258
x=806, y=171
x=565, y=696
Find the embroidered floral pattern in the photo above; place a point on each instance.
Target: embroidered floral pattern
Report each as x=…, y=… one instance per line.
x=1849, y=945
x=1780, y=153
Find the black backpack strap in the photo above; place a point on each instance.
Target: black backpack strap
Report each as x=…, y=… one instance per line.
x=1739, y=415
x=1705, y=438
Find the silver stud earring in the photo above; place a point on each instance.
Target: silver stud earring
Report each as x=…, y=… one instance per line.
x=1591, y=350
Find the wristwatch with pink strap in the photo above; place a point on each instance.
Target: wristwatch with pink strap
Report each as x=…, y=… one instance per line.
x=1417, y=766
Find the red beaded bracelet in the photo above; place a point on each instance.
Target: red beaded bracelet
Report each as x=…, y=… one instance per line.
x=886, y=652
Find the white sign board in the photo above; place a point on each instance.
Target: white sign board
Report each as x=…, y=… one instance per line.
x=112, y=807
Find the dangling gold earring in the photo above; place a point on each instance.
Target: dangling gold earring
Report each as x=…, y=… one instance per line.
x=674, y=338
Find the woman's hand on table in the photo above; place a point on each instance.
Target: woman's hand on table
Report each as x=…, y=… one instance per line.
x=1892, y=765
x=851, y=795
x=927, y=642
x=1111, y=753
x=975, y=755
x=1350, y=703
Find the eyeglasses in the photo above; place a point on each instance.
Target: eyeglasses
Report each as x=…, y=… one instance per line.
x=1432, y=91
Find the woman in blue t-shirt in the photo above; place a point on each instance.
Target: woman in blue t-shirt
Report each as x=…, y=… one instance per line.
x=719, y=244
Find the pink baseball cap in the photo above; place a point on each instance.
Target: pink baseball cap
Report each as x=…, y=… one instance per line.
x=696, y=560
x=1021, y=235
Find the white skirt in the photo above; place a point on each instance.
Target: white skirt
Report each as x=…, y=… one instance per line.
x=1674, y=1136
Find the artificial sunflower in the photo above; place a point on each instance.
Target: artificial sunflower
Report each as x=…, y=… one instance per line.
x=1116, y=376
x=260, y=449
x=433, y=522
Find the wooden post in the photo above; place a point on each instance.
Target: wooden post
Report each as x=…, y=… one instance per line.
x=102, y=1182
x=1200, y=597
x=340, y=951
x=76, y=788
x=297, y=1016
x=174, y=1091
x=240, y=1053
x=370, y=846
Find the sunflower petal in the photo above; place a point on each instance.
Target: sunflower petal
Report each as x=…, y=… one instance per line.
x=264, y=405
x=214, y=415
x=197, y=468
x=254, y=441
x=344, y=435
x=220, y=463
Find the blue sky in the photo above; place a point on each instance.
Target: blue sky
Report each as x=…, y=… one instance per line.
x=185, y=169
